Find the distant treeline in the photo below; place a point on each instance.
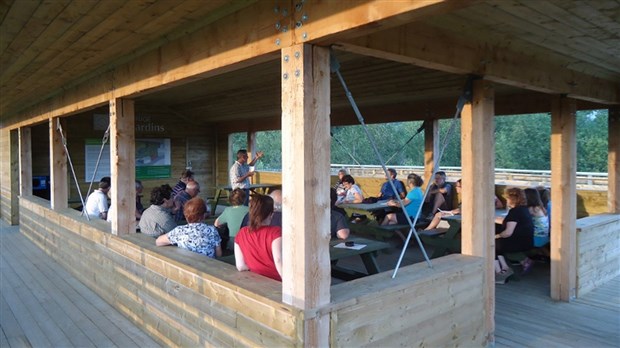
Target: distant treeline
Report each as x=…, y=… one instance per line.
x=521, y=142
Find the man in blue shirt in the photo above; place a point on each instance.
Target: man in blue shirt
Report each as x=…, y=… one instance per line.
x=386, y=189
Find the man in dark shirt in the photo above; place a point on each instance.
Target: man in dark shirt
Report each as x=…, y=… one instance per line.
x=439, y=195
x=387, y=192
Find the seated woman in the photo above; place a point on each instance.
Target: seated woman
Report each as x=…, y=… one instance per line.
x=258, y=247
x=354, y=193
x=539, y=217
x=516, y=232
x=233, y=215
x=196, y=236
x=412, y=202
x=437, y=217
x=157, y=219
x=339, y=187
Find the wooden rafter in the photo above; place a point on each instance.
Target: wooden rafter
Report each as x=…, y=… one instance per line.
x=432, y=48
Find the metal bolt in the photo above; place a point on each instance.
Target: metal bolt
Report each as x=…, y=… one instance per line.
x=304, y=17
x=286, y=58
x=285, y=12
x=284, y=28
x=278, y=25
x=276, y=9
x=297, y=54
x=298, y=24
x=297, y=73
x=304, y=35
x=299, y=6
x=285, y=76
x=278, y=42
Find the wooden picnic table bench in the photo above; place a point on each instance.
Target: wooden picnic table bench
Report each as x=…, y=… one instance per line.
x=367, y=254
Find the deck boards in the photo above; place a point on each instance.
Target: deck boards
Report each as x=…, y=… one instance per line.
x=43, y=305
x=525, y=315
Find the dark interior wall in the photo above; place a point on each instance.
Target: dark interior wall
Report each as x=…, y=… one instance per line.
x=189, y=141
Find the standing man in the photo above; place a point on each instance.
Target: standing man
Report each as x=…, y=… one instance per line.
x=240, y=172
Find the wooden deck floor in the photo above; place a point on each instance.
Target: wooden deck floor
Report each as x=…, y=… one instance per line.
x=42, y=305
x=525, y=315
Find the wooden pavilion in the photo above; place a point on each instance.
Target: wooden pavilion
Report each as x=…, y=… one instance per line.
x=194, y=72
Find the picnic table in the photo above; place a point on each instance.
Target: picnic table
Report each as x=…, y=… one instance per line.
x=367, y=254
x=450, y=241
x=370, y=226
x=256, y=188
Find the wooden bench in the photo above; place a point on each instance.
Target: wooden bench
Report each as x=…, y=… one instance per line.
x=367, y=254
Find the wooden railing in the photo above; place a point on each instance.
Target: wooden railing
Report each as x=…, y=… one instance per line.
x=585, y=180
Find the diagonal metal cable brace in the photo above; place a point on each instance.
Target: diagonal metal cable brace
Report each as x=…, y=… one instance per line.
x=335, y=67
x=104, y=141
x=77, y=185
x=344, y=148
x=407, y=142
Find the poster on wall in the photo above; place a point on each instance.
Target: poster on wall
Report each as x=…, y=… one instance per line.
x=153, y=159
x=92, y=150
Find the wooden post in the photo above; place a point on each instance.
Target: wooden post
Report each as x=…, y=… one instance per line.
x=123, y=165
x=25, y=161
x=251, y=135
x=613, y=161
x=563, y=196
x=59, y=197
x=478, y=189
x=305, y=185
x=431, y=150
x=14, y=176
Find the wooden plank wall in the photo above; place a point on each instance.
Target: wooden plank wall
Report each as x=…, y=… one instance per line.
x=598, y=251
x=198, y=139
x=9, y=176
x=178, y=297
x=421, y=307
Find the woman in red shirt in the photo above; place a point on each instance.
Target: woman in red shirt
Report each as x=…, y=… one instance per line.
x=258, y=247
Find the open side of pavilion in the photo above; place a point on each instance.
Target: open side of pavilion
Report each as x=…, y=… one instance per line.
x=194, y=73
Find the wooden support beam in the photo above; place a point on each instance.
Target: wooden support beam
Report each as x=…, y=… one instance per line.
x=431, y=150
x=25, y=161
x=224, y=45
x=123, y=166
x=478, y=190
x=613, y=160
x=305, y=163
x=563, y=196
x=14, y=176
x=59, y=189
x=429, y=47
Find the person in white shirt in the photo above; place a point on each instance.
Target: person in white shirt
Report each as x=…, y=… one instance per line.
x=240, y=172
x=97, y=202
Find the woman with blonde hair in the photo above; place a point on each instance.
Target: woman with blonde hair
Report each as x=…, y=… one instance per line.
x=258, y=247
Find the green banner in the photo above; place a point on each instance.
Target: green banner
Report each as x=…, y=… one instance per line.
x=153, y=172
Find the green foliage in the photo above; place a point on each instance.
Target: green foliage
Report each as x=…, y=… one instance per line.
x=521, y=142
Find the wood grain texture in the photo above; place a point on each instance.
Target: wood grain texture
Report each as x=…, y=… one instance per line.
x=176, y=296
x=478, y=211
x=563, y=188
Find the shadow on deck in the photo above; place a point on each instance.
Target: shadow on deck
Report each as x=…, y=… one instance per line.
x=43, y=305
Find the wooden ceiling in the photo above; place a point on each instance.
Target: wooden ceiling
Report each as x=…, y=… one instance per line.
x=415, y=67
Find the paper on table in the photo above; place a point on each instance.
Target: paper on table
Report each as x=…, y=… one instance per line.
x=446, y=212
x=354, y=247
